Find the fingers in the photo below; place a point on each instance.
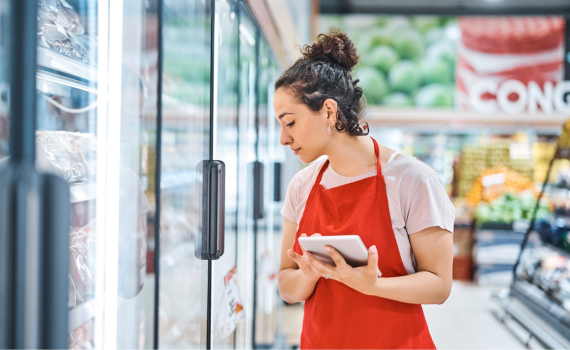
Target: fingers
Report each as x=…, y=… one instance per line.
x=338, y=259
x=303, y=249
x=373, y=260
x=318, y=265
x=295, y=257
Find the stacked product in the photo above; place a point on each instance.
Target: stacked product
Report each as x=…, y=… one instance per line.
x=473, y=161
x=406, y=61
x=542, y=153
x=463, y=242
x=503, y=56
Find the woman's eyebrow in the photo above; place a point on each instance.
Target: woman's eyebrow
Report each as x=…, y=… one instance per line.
x=284, y=114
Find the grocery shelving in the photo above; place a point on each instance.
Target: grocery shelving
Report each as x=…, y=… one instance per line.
x=81, y=314
x=82, y=191
x=452, y=118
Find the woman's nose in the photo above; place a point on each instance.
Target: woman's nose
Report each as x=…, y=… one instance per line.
x=285, y=139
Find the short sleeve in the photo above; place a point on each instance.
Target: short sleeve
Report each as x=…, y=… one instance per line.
x=288, y=211
x=430, y=206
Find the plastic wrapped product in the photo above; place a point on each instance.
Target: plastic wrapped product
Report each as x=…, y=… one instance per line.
x=55, y=154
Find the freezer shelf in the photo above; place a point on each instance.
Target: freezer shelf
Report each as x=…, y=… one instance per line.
x=537, y=301
x=58, y=63
x=81, y=314
x=82, y=191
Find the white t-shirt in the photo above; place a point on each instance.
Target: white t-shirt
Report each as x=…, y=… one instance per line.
x=416, y=198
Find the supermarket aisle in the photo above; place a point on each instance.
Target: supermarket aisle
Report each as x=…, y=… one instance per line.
x=466, y=321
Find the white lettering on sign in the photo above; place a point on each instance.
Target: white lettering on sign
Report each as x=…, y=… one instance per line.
x=528, y=97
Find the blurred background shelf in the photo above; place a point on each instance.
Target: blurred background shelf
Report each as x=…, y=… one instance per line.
x=81, y=314
x=453, y=119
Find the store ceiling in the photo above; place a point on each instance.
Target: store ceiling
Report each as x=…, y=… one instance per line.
x=531, y=7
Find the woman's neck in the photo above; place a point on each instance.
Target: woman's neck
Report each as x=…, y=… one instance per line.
x=353, y=156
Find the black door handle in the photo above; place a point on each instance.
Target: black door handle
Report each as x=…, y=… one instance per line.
x=210, y=209
x=258, y=172
x=217, y=208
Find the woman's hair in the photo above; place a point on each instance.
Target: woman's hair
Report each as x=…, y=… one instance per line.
x=324, y=72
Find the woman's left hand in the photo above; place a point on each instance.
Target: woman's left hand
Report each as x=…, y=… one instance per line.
x=362, y=279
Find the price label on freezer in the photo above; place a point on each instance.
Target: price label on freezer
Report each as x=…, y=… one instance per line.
x=231, y=306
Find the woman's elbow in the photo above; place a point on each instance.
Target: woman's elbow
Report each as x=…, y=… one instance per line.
x=444, y=294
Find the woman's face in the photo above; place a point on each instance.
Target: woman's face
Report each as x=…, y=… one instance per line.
x=303, y=130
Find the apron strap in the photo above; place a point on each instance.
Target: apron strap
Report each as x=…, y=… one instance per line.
x=319, y=178
x=379, y=174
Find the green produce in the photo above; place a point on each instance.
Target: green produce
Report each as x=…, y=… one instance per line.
x=373, y=83
x=445, y=50
x=510, y=207
x=398, y=22
x=433, y=35
x=408, y=43
x=425, y=23
x=397, y=99
x=382, y=57
x=404, y=76
x=375, y=37
x=434, y=95
x=435, y=70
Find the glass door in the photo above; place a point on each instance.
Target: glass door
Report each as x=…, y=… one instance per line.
x=96, y=102
x=247, y=143
x=268, y=301
x=186, y=142
x=227, y=308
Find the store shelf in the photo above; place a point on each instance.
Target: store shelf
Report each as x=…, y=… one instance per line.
x=81, y=314
x=58, y=63
x=454, y=118
x=518, y=312
x=82, y=191
x=538, y=302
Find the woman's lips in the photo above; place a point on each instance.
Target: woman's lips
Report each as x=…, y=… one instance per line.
x=296, y=151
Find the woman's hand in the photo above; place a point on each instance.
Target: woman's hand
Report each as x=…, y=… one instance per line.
x=304, y=265
x=362, y=279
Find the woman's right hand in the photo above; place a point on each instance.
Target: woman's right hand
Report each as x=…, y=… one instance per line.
x=308, y=272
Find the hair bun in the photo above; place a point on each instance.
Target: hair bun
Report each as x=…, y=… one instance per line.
x=335, y=47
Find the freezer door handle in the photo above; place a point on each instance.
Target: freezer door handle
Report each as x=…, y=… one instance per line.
x=258, y=205
x=217, y=170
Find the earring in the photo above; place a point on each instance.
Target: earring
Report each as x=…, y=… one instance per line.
x=329, y=128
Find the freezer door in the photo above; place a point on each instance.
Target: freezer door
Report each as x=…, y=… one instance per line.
x=96, y=129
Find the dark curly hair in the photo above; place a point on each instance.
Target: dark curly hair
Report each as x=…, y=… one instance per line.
x=324, y=72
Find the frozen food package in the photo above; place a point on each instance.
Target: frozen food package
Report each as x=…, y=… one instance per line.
x=68, y=155
x=81, y=337
x=72, y=299
x=80, y=273
x=58, y=24
x=509, y=64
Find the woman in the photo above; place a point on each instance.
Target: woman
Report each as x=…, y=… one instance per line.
x=395, y=203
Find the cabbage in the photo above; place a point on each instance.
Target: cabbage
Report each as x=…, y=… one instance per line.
x=373, y=84
x=382, y=57
x=433, y=35
x=425, y=23
x=435, y=70
x=398, y=22
x=397, y=99
x=408, y=43
x=445, y=50
x=404, y=76
x=375, y=37
x=435, y=95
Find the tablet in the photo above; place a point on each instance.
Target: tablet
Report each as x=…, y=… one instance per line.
x=350, y=248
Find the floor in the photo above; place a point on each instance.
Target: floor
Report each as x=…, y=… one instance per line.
x=464, y=321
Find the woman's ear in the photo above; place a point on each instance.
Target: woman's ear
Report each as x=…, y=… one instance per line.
x=331, y=107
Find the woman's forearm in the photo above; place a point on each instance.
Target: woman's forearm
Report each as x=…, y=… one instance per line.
x=419, y=288
x=294, y=287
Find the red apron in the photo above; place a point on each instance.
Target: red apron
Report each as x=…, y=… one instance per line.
x=337, y=316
